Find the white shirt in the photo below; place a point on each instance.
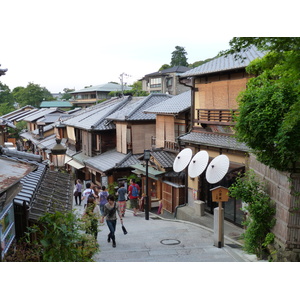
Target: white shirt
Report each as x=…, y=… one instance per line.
x=85, y=195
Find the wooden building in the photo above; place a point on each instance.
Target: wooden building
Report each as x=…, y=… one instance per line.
x=215, y=87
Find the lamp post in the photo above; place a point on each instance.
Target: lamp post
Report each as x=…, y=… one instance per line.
x=147, y=158
x=58, y=154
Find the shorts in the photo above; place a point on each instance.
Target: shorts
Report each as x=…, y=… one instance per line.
x=134, y=203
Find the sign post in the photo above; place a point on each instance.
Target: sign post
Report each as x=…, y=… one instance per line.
x=220, y=194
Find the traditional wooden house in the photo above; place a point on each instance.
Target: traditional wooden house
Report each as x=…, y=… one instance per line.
x=215, y=86
x=89, y=136
x=172, y=120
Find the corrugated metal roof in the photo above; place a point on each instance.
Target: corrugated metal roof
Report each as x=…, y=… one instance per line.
x=133, y=111
x=214, y=140
x=174, y=105
x=105, y=161
x=55, y=104
x=225, y=63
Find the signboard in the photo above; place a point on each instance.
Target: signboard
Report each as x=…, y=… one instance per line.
x=219, y=194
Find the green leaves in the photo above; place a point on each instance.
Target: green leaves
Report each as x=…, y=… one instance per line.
x=260, y=212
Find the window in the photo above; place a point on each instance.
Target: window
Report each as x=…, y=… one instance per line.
x=155, y=82
x=179, y=129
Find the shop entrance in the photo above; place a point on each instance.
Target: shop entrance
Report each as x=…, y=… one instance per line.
x=232, y=208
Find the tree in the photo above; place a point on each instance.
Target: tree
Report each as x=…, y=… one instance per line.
x=179, y=57
x=269, y=120
x=66, y=95
x=33, y=95
x=6, y=100
x=164, y=67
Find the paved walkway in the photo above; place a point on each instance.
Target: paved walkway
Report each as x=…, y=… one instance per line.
x=165, y=240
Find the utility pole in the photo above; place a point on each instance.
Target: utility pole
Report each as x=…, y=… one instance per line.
x=122, y=81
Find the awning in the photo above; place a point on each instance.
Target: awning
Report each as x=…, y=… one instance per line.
x=67, y=159
x=153, y=173
x=75, y=164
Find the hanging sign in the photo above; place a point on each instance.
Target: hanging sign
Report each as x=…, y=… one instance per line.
x=219, y=194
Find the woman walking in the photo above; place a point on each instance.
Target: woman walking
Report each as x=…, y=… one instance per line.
x=103, y=199
x=122, y=199
x=111, y=208
x=77, y=194
x=91, y=216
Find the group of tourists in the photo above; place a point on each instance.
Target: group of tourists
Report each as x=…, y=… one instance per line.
x=99, y=205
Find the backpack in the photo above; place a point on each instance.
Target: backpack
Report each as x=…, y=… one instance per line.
x=134, y=191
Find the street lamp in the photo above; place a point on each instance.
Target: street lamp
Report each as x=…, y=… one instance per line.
x=147, y=158
x=58, y=154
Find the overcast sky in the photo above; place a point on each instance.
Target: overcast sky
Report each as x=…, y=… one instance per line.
x=72, y=44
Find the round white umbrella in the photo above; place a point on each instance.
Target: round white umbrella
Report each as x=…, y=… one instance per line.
x=217, y=169
x=198, y=164
x=182, y=159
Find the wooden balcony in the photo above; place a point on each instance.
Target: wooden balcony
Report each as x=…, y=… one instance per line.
x=216, y=116
x=168, y=145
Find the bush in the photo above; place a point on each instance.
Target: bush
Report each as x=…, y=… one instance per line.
x=58, y=237
x=260, y=212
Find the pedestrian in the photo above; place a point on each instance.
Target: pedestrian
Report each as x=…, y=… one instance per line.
x=111, y=208
x=142, y=202
x=133, y=194
x=103, y=199
x=96, y=190
x=77, y=194
x=121, y=192
x=91, y=216
x=88, y=191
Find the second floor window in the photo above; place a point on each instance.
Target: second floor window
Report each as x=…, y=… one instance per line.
x=179, y=129
x=155, y=82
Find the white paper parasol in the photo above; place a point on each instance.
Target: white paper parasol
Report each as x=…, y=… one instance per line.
x=182, y=159
x=198, y=164
x=217, y=169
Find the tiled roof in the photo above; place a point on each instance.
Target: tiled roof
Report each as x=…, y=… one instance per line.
x=39, y=114
x=176, y=69
x=5, y=122
x=133, y=111
x=93, y=116
x=105, y=161
x=225, y=63
x=54, y=194
x=214, y=140
x=174, y=105
x=106, y=87
x=129, y=160
x=164, y=158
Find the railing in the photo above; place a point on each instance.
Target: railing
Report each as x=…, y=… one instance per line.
x=216, y=116
x=171, y=146
x=168, y=145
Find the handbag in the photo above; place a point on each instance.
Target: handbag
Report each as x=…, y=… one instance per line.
x=76, y=193
x=124, y=229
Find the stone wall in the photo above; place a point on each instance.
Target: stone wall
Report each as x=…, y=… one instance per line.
x=284, y=190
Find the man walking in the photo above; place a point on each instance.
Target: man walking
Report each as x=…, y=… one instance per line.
x=133, y=194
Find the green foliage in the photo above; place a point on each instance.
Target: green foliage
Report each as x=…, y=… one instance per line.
x=199, y=63
x=269, y=120
x=164, y=67
x=33, y=95
x=15, y=132
x=260, y=212
x=66, y=95
x=6, y=100
x=59, y=238
x=179, y=57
